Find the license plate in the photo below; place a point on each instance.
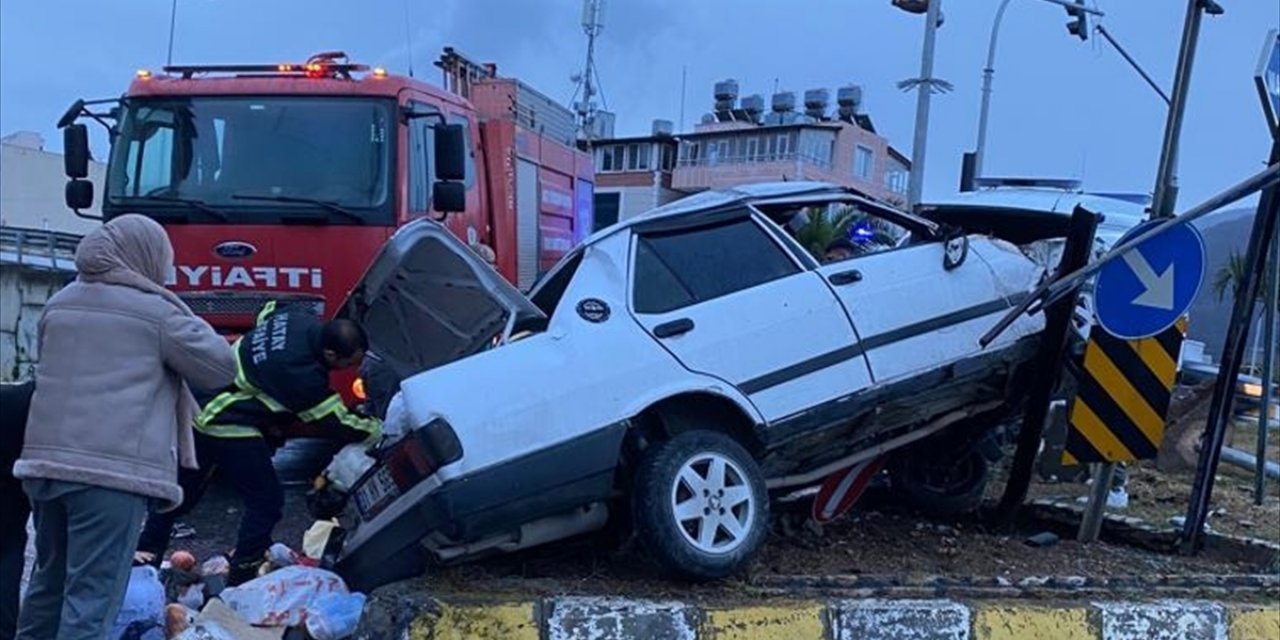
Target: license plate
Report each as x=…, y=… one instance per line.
x=374, y=494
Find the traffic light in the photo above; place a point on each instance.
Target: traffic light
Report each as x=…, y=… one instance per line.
x=1079, y=24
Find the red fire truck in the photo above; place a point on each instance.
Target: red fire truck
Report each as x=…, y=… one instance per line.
x=281, y=181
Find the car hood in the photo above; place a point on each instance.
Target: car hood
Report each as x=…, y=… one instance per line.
x=428, y=299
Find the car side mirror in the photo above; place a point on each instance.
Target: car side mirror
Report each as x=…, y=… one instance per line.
x=79, y=196
x=449, y=196
x=955, y=250
x=75, y=149
x=450, y=152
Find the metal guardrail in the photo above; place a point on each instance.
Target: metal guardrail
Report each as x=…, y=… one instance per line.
x=38, y=248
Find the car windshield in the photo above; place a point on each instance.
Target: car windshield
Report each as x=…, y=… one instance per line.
x=250, y=158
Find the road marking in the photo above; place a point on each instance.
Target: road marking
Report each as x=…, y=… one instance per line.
x=1032, y=623
x=517, y=621
x=900, y=620
x=787, y=622
x=1165, y=620
x=576, y=618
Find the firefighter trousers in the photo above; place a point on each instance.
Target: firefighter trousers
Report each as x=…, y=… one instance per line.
x=244, y=464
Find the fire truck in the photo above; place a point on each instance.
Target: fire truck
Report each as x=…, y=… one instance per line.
x=282, y=181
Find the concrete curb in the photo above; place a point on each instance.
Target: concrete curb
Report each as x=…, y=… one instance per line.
x=590, y=618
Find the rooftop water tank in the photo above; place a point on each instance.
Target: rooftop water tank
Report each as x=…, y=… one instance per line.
x=784, y=101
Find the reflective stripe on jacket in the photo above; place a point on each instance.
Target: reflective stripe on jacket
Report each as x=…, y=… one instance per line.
x=281, y=378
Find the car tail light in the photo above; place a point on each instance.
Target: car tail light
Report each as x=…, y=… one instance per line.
x=423, y=452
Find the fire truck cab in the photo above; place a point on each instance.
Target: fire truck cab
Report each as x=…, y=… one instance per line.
x=282, y=181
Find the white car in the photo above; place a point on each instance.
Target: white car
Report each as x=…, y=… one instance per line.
x=673, y=372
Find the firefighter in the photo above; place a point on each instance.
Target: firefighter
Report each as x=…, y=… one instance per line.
x=282, y=379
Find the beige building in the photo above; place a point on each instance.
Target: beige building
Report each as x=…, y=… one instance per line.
x=38, y=237
x=32, y=181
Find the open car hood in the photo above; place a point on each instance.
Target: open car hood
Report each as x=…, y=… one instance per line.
x=428, y=300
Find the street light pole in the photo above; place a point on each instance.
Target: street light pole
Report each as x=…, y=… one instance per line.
x=924, y=89
x=987, y=74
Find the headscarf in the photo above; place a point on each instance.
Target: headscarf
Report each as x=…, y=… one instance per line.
x=134, y=251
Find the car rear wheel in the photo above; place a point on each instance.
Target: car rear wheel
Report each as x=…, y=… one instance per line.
x=941, y=482
x=700, y=504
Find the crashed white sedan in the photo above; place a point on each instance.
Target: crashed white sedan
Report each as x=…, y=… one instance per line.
x=673, y=372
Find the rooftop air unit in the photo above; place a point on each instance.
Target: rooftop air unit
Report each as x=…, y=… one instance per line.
x=726, y=95
x=816, y=102
x=663, y=128
x=784, y=102
x=849, y=101
x=753, y=105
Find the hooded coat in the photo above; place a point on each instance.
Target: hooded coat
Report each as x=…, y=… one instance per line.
x=116, y=351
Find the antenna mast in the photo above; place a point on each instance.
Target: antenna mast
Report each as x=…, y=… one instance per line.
x=592, y=25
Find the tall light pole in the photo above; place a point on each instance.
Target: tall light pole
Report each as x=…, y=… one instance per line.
x=173, y=21
x=924, y=86
x=1079, y=27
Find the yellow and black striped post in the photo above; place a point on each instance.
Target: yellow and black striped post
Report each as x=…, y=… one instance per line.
x=1123, y=397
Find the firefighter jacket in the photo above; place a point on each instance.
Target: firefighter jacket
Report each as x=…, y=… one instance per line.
x=281, y=379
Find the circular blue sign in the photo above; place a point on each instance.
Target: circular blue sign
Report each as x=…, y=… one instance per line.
x=1145, y=291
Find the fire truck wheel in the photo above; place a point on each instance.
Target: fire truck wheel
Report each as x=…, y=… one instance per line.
x=700, y=504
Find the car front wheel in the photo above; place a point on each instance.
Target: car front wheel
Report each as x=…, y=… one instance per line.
x=700, y=503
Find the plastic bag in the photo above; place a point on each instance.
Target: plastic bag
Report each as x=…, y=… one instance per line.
x=334, y=616
x=347, y=466
x=280, y=598
x=319, y=538
x=141, y=616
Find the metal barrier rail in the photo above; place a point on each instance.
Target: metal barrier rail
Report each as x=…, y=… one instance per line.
x=38, y=248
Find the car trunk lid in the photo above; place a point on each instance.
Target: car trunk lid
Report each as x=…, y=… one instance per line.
x=427, y=300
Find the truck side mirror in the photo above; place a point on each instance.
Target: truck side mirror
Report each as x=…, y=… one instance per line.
x=448, y=196
x=451, y=152
x=79, y=195
x=75, y=149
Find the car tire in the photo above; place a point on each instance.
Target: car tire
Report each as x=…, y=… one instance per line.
x=943, y=485
x=716, y=533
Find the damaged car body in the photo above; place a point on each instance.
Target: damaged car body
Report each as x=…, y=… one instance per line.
x=671, y=374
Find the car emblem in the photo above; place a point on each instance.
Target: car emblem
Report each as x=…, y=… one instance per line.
x=593, y=310
x=235, y=249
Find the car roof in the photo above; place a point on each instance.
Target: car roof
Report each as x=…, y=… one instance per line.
x=1047, y=200
x=762, y=193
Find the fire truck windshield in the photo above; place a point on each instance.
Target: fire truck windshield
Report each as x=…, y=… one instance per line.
x=254, y=160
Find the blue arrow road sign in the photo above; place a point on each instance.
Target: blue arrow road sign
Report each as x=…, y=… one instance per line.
x=1267, y=78
x=1145, y=291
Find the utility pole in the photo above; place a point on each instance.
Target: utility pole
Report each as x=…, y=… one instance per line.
x=924, y=91
x=1166, y=189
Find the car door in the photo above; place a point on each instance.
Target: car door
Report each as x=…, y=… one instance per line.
x=914, y=314
x=726, y=299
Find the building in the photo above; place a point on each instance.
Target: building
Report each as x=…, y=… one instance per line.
x=739, y=143
x=633, y=175
x=32, y=181
x=38, y=237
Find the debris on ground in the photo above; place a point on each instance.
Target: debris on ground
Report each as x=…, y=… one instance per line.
x=142, y=613
x=281, y=598
x=1042, y=539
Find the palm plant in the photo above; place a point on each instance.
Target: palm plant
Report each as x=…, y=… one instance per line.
x=824, y=227
x=1231, y=274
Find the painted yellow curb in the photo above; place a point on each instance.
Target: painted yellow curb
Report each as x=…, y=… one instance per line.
x=791, y=622
x=1254, y=623
x=1032, y=623
x=516, y=621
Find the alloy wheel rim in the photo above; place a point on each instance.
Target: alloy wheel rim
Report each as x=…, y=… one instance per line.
x=712, y=503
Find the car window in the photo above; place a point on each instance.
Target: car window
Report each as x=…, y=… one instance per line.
x=677, y=268
x=657, y=289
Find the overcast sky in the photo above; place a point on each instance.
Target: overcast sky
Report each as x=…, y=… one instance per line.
x=1061, y=107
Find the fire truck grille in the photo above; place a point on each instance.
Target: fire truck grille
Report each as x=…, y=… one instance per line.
x=245, y=304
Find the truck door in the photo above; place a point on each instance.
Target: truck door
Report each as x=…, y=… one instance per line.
x=913, y=314
x=724, y=297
